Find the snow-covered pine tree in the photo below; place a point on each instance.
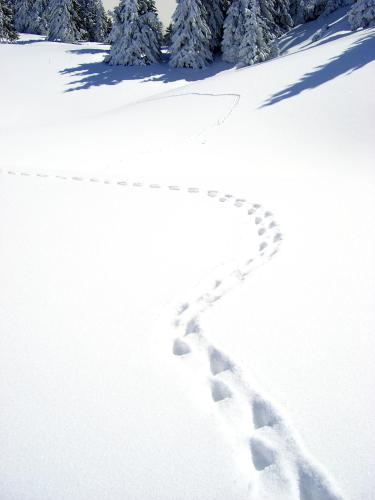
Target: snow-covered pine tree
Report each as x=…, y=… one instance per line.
x=307, y=10
x=95, y=20
x=253, y=48
x=148, y=8
x=281, y=16
x=64, y=23
x=152, y=28
x=22, y=15
x=116, y=25
x=333, y=5
x=132, y=42
x=103, y=24
x=191, y=36
x=276, y=17
x=362, y=14
x=168, y=35
x=38, y=17
x=215, y=19
x=234, y=31
x=7, y=29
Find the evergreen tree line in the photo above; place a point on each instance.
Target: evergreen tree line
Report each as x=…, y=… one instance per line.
x=244, y=32
x=59, y=20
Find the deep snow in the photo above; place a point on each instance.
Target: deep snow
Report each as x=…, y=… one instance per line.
x=104, y=394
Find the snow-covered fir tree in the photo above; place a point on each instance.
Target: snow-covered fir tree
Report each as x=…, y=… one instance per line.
x=38, y=17
x=276, y=17
x=64, y=22
x=281, y=16
x=249, y=36
x=148, y=9
x=102, y=25
x=7, y=29
x=116, y=25
x=362, y=14
x=307, y=10
x=168, y=35
x=22, y=15
x=151, y=26
x=191, y=36
x=95, y=22
x=215, y=12
x=253, y=48
x=234, y=31
x=333, y=5
x=303, y=11
x=133, y=41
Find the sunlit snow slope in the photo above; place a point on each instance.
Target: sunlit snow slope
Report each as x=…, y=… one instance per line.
x=187, y=274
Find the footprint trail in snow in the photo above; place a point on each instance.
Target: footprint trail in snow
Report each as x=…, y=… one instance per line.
x=278, y=466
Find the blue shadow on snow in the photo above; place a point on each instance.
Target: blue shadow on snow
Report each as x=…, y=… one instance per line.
x=86, y=51
x=87, y=75
x=361, y=53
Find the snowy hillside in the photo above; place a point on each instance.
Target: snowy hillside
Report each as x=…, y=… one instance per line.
x=187, y=273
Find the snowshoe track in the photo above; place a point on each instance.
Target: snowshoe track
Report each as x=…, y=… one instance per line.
x=274, y=454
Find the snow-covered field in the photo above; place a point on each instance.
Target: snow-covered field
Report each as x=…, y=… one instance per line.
x=187, y=274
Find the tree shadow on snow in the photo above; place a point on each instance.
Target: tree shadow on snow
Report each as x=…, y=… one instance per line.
x=361, y=53
x=28, y=42
x=87, y=75
x=86, y=51
x=333, y=26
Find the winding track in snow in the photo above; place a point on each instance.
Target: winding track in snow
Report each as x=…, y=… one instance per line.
x=236, y=99
x=279, y=467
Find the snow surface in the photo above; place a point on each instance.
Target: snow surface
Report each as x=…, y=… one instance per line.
x=127, y=369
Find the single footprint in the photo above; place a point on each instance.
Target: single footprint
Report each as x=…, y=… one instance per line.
x=311, y=486
x=192, y=327
x=180, y=348
x=183, y=308
x=262, y=246
x=261, y=231
x=263, y=414
x=219, y=390
x=219, y=362
x=261, y=453
x=212, y=193
x=258, y=220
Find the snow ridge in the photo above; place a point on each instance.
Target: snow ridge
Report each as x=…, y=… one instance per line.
x=276, y=464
